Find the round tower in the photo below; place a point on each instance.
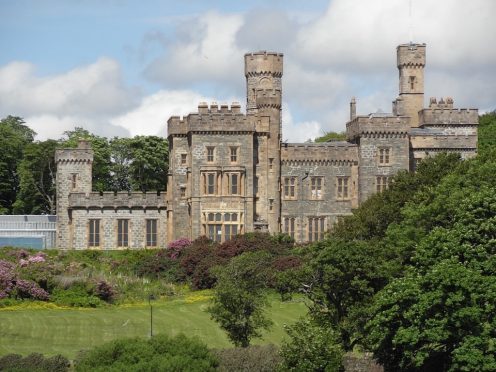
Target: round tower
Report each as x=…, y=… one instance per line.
x=263, y=72
x=411, y=64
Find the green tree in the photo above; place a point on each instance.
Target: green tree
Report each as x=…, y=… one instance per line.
x=442, y=315
x=331, y=136
x=239, y=298
x=14, y=136
x=37, y=172
x=311, y=348
x=487, y=134
x=149, y=165
x=343, y=277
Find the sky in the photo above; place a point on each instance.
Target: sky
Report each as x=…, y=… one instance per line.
x=122, y=67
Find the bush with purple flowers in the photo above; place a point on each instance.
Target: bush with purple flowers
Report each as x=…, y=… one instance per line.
x=177, y=246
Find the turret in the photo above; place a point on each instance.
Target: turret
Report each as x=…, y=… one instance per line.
x=74, y=174
x=411, y=63
x=263, y=72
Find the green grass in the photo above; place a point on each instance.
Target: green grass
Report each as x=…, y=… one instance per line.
x=60, y=331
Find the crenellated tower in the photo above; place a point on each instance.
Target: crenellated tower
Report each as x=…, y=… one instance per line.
x=74, y=175
x=263, y=72
x=411, y=64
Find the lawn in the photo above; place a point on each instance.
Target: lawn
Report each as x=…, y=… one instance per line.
x=65, y=332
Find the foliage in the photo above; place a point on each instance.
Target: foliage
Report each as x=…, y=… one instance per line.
x=311, y=348
x=34, y=362
x=331, y=136
x=160, y=353
x=76, y=296
x=176, y=247
x=14, y=136
x=441, y=315
x=257, y=358
x=159, y=265
x=11, y=285
x=104, y=291
x=37, y=171
x=372, y=218
x=239, y=299
x=487, y=134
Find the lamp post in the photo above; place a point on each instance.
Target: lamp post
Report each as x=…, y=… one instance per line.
x=150, y=298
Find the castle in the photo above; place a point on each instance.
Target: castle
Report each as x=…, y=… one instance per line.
x=230, y=173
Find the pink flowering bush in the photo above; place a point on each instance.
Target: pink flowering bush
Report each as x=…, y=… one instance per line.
x=38, y=257
x=176, y=247
x=13, y=286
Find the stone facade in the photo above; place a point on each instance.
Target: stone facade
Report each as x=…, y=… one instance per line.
x=230, y=173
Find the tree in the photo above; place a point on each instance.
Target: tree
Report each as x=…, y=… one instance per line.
x=442, y=315
x=149, y=165
x=331, y=136
x=343, y=277
x=37, y=172
x=311, y=348
x=14, y=136
x=239, y=298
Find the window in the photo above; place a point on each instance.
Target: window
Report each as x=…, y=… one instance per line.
x=220, y=227
x=255, y=186
x=316, y=228
x=289, y=226
x=94, y=233
x=233, y=182
x=210, y=183
x=271, y=163
x=342, y=188
x=316, y=187
x=382, y=183
x=183, y=192
x=289, y=188
x=234, y=154
x=151, y=233
x=122, y=233
x=74, y=180
x=384, y=156
x=210, y=154
x=184, y=158
x=411, y=80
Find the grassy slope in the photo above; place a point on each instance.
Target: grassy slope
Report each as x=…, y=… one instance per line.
x=68, y=331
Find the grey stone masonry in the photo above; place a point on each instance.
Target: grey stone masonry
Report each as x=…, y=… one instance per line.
x=229, y=171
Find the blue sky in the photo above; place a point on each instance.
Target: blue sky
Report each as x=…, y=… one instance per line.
x=122, y=67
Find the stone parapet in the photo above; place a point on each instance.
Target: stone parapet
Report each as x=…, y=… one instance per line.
x=438, y=116
x=212, y=119
x=118, y=200
x=264, y=62
x=364, y=125
x=338, y=151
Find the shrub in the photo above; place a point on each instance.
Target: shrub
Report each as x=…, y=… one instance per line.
x=76, y=296
x=104, y=291
x=34, y=362
x=177, y=246
x=160, y=353
x=160, y=265
x=264, y=358
x=311, y=348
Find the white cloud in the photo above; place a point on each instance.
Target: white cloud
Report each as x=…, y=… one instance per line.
x=298, y=131
x=205, y=51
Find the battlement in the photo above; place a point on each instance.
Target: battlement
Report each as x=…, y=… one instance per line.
x=212, y=119
x=118, y=200
x=264, y=62
x=268, y=98
x=364, y=125
x=445, y=114
x=204, y=108
x=410, y=55
x=337, y=151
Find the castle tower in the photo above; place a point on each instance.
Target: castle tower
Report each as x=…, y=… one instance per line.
x=263, y=72
x=411, y=63
x=74, y=174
